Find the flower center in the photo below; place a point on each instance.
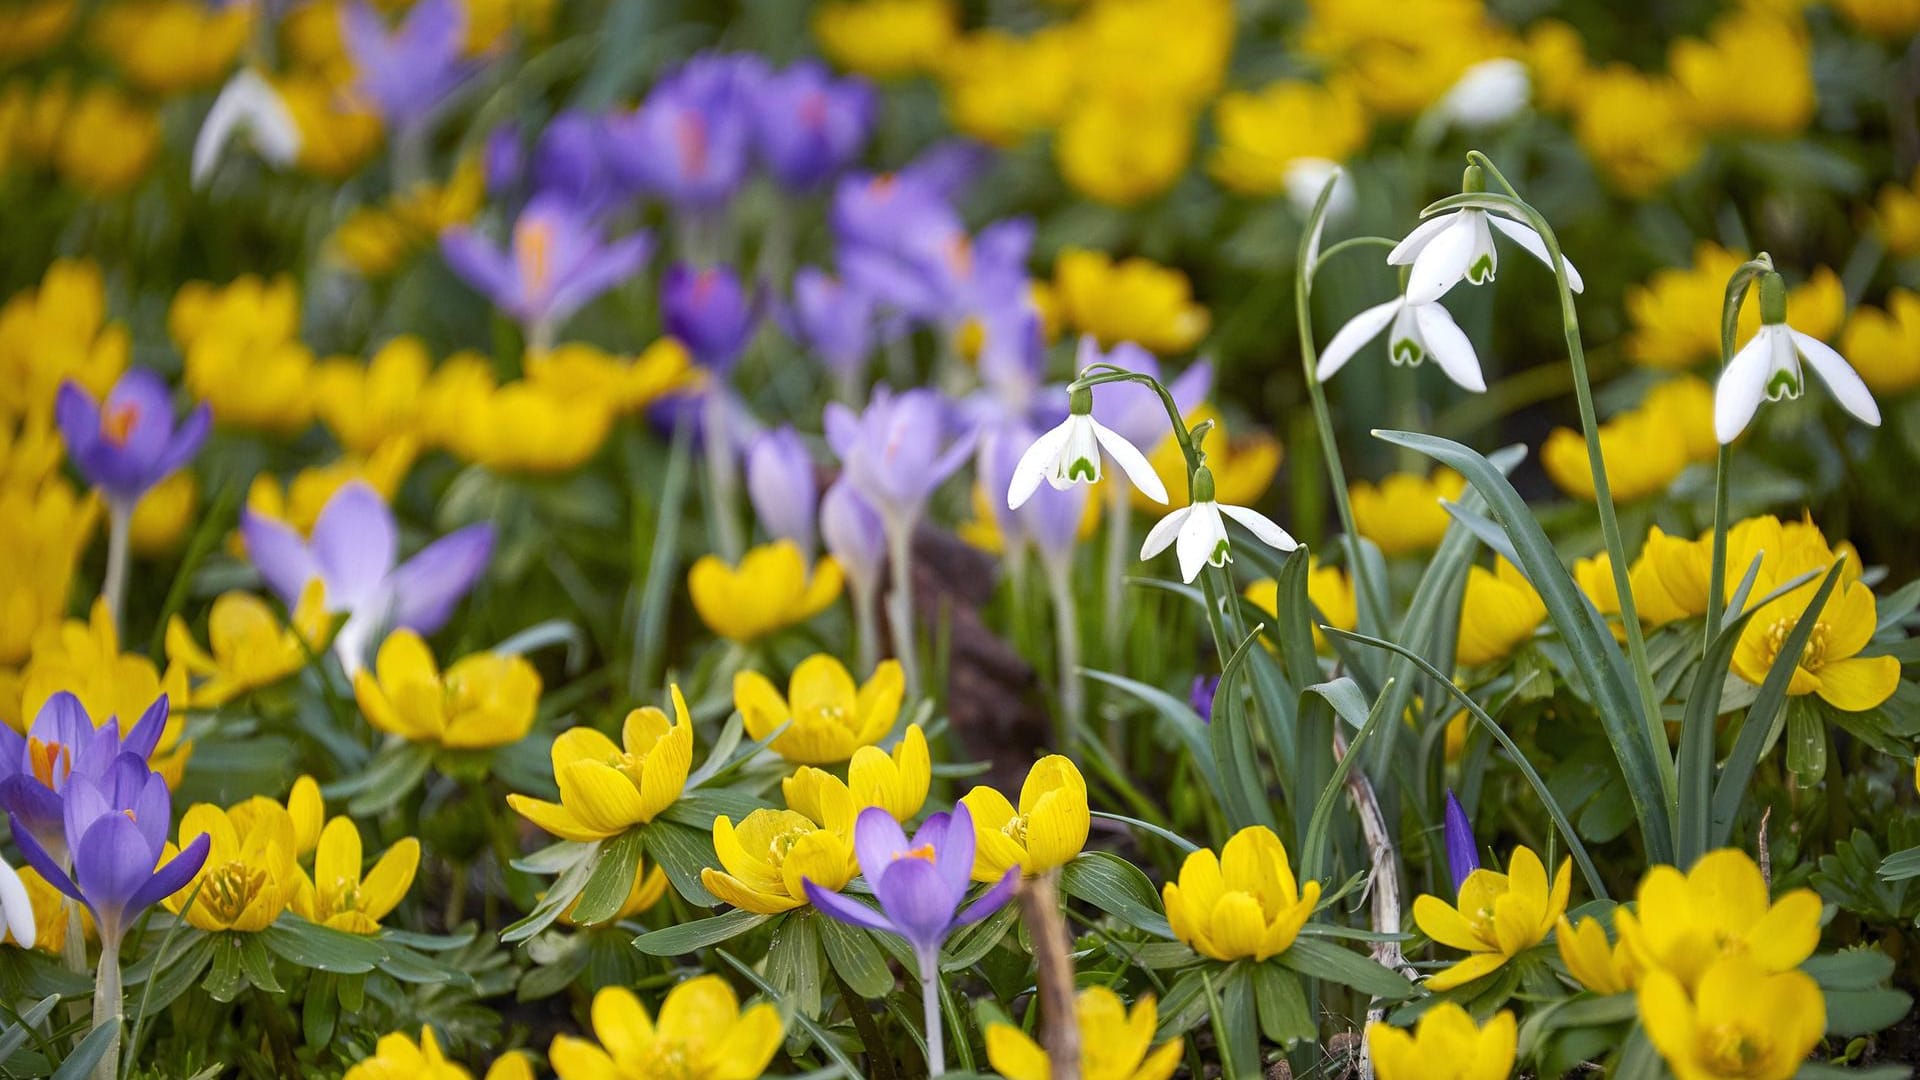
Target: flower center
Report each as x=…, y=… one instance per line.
x=230, y=888
x=1734, y=1050
x=691, y=133
x=813, y=110
x=924, y=852
x=668, y=1061
x=117, y=423
x=781, y=846
x=631, y=765
x=836, y=715
x=1812, y=657
x=960, y=254
x=343, y=896
x=533, y=249
x=1016, y=829
x=51, y=761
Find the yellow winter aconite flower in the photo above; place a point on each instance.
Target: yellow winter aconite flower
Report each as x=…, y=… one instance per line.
x=649, y=885
x=1642, y=457
x=1123, y=152
x=337, y=134
x=1741, y=1021
x=398, y=1057
x=1001, y=88
x=1556, y=57
x=1128, y=300
x=99, y=140
x=1636, y=129
x=299, y=503
x=607, y=788
x=700, y=1034
x=1243, y=468
x=1685, y=405
x=484, y=700
x=1045, y=833
x=830, y=717
x=1402, y=514
x=1601, y=967
x=1717, y=74
x=1445, y=1045
x=1401, y=58
x=339, y=895
x=31, y=28
x=244, y=357
x=1116, y=1043
x=1244, y=903
x=252, y=870
x=623, y=384
x=770, y=590
x=768, y=856
x=167, y=46
x=1896, y=217
x=1830, y=664
x=377, y=240
x=1499, y=610
x=368, y=405
x=1329, y=590
x=303, y=804
x=1498, y=916
x=1883, y=345
x=896, y=782
x=886, y=39
x=1174, y=52
x=84, y=658
x=161, y=517
x=528, y=427
x=47, y=532
x=250, y=647
x=30, y=448
x=59, y=332
x=1888, y=18
x=1684, y=922
x=1676, y=314
x=1266, y=134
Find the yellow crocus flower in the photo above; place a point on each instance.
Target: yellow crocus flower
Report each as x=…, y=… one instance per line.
x=769, y=856
x=1401, y=58
x=484, y=700
x=107, y=139
x=243, y=353
x=377, y=240
x=84, y=658
x=830, y=717
x=1243, y=468
x=1829, y=664
x=1243, y=903
x=30, y=448
x=1641, y=454
x=1498, y=916
x=1266, y=135
x=700, y=1034
x=1045, y=833
x=398, y=1057
x=1884, y=344
x=1683, y=922
x=251, y=648
x=649, y=885
x=1498, y=611
x=770, y=590
x=1128, y=300
x=885, y=39
x=1742, y=1021
x=161, y=517
x=251, y=873
x=1445, y=1045
x=1173, y=52
x=1556, y=58
x=1402, y=514
x=339, y=896
x=1636, y=129
x=607, y=788
x=896, y=782
x=368, y=405
x=1116, y=1043
x=48, y=530
x=1328, y=590
x=1123, y=152
x=1600, y=967
x=1717, y=74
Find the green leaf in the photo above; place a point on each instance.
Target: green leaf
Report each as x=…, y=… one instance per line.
x=1863, y=968
x=1863, y=1012
x=684, y=938
x=409, y=966
x=257, y=964
x=225, y=979
x=970, y=945
x=87, y=1056
x=1284, y=1018
x=1323, y=960
x=1243, y=795
x=1237, y=1023
x=1346, y=700
x=1901, y=865
x=1806, y=742
x=1180, y=843
x=1117, y=887
x=683, y=852
x=1186, y=723
x=612, y=879
x=853, y=954
x=560, y=895
x=1693, y=821
x=793, y=960
x=697, y=809
x=310, y=945
x=820, y=1036
x=385, y=781
x=16, y=1034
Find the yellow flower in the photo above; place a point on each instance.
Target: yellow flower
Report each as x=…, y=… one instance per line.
x=768, y=857
x=251, y=873
x=298, y=505
x=1884, y=345
x=1243, y=903
x=1445, y=1045
x=1243, y=468
x=700, y=1034
x=1499, y=611
x=59, y=332
x=1636, y=130
x=1717, y=74
x=625, y=385
x=303, y=804
x=530, y=427
x=161, y=517
x=649, y=885
x=1401, y=58
x=770, y=590
x=830, y=717
x=337, y=135
x=30, y=448
x=51, y=913
x=251, y=648
x=1829, y=665
x=1328, y=589
x=1676, y=314
x=1045, y=833
x=607, y=788
x=1116, y=1043
x=1556, y=58
x=107, y=139
x=1165, y=52
x=1720, y=907
x=1888, y=18
x=886, y=39
x=84, y=658
x=1669, y=579
x=377, y=240
x=982, y=530
x=1897, y=218
x=1123, y=152
x=47, y=532
x=243, y=355
x=1001, y=88
x=1594, y=575
x=484, y=700
x=489, y=22
x=1128, y=300
x=338, y=896
x=397, y=1057
x=1642, y=457
x=1498, y=916
x=1266, y=133
x=1684, y=405
x=1741, y=1021
x=1403, y=514
x=167, y=46
x=896, y=782
x=32, y=28
x=1600, y=967
x=368, y=405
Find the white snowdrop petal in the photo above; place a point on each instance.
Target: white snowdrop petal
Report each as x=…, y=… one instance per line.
x=1261, y=526
x=1359, y=330
x=1441, y=265
x=1742, y=386
x=1132, y=462
x=1841, y=379
x=1450, y=347
x=1163, y=532
x=1409, y=249
x=1523, y=234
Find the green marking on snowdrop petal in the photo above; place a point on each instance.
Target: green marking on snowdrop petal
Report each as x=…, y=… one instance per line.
x=1408, y=351
x=1783, y=385
x=1481, y=271
x=1219, y=556
x=1083, y=469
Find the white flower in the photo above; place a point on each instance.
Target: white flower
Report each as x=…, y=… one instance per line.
x=247, y=103
x=1202, y=533
x=15, y=909
x=1070, y=454
x=1769, y=367
x=1447, y=247
x=1488, y=94
x=1419, y=331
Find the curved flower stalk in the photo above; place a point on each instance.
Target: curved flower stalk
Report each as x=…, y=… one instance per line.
x=1071, y=453
x=1457, y=246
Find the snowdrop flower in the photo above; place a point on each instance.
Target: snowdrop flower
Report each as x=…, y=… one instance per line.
x=1307, y=177
x=1769, y=367
x=1488, y=94
x=1419, y=331
x=1070, y=454
x=1459, y=244
x=1202, y=534
x=247, y=104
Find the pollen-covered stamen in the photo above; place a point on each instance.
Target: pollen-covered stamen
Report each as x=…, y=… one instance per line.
x=1734, y=1049
x=51, y=761
x=116, y=423
x=1812, y=657
x=230, y=888
x=533, y=251
x=781, y=846
x=1016, y=829
x=923, y=852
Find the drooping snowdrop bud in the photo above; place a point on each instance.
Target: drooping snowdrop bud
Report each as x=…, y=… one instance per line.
x=1459, y=244
x=249, y=105
x=1201, y=531
x=1486, y=95
x=1768, y=367
x=1070, y=454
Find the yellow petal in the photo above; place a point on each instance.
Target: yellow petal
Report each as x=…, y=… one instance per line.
x=392, y=875
x=1015, y=1056
x=1667, y=1016
x=748, y=1045
x=339, y=855
x=762, y=709
x=1857, y=684
x=600, y=796
x=1467, y=970
x=578, y=1059
x=621, y=1023
x=552, y=817
x=1236, y=926
x=1788, y=933
x=1443, y=923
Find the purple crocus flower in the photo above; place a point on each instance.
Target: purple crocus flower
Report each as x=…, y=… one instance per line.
x=689, y=142
x=809, y=125
x=710, y=312
x=354, y=551
x=1462, y=858
x=1200, y=695
x=63, y=742
x=832, y=319
x=128, y=443
x=1133, y=410
x=571, y=160
x=1050, y=519
x=1012, y=365
x=895, y=237
x=781, y=484
x=409, y=71
x=900, y=449
x=949, y=167
x=557, y=264
x=854, y=535
x=504, y=159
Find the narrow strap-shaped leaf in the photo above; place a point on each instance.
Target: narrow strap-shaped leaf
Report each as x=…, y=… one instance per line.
x=1345, y=699
x=1179, y=715
x=789, y=1009
x=1243, y=795
x=697, y=934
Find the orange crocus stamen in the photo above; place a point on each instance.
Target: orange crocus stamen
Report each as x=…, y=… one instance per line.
x=691, y=132
x=924, y=851
x=533, y=250
x=117, y=423
x=47, y=759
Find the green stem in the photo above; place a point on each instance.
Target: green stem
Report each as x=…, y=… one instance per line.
x=720, y=475
x=1114, y=572
x=1723, y=462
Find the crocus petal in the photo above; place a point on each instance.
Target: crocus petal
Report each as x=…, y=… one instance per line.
x=877, y=841
x=846, y=909
x=1131, y=461
x=185, y=442
x=428, y=586
x=1523, y=234
x=279, y=554
x=1841, y=379
x=953, y=858
x=78, y=416
x=916, y=900
x=990, y=901
x=1261, y=526
x=1163, y=533
x=1408, y=249
x=174, y=875
x=1450, y=347
x=38, y=858
x=1032, y=466
x=354, y=545
x=484, y=267
x=1442, y=264
x=145, y=735
x=1359, y=330
x=110, y=864
x=1742, y=385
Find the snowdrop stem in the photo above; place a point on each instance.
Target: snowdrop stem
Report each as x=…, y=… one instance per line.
x=1066, y=637
x=1119, y=547
x=1349, y=244
x=1737, y=286
x=114, y=586
x=1656, y=728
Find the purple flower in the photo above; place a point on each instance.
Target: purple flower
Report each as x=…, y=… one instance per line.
x=571, y=160
x=411, y=70
x=690, y=408
x=947, y=168
x=709, y=312
x=781, y=484
x=895, y=237
x=809, y=125
x=504, y=159
x=1200, y=695
x=900, y=449
x=558, y=262
x=919, y=883
x=854, y=535
x=63, y=742
x=834, y=320
x=1012, y=366
x=353, y=552
x=1050, y=518
x=689, y=141
x=130, y=443
x=1462, y=858
x=1135, y=412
